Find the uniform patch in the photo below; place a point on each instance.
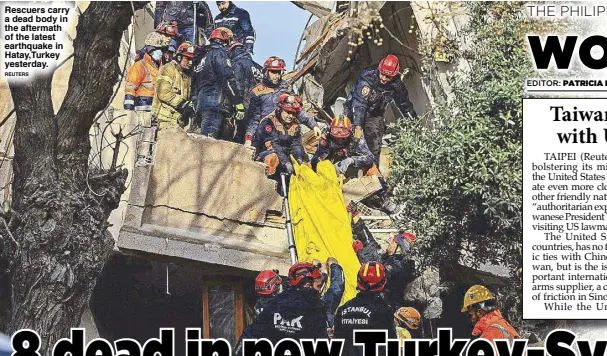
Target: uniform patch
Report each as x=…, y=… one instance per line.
x=268, y=128
x=365, y=91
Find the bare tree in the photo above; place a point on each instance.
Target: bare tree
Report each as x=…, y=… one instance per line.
x=56, y=241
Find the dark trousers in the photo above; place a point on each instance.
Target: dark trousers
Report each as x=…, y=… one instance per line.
x=373, y=129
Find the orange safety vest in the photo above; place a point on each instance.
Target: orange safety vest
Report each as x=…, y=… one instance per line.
x=139, y=88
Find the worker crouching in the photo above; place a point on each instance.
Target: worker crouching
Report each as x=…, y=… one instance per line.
x=279, y=137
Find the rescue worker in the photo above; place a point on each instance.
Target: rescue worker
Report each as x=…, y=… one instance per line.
x=217, y=93
x=481, y=305
x=297, y=313
x=140, y=78
x=171, y=103
x=262, y=99
x=368, y=310
x=182, y=13
x=365, y=246
x=248, y=74
x=237, y=20
x=332, y=296
x=407, y=321
x=279, y=137
x=366, y=104
x=399, y=267
x=268, y=284
x=343, y=150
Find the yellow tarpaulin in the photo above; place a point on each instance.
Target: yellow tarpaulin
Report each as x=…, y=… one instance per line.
x=321, y=224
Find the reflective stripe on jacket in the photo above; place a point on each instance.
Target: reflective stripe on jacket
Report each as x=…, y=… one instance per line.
x=172, y=90
x=139, y=87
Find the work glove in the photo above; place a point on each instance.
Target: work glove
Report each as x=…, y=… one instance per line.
x=239, y=112
x=342, y=166
x=317, y=131
x=248, y=143
x=289, y=168
x=358, y=132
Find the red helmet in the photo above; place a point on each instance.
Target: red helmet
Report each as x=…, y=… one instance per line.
x=289, y=103
x=371, y=277
x=389, y=66
x=357, y=245
x=186, y=49
x=221, y=33
x=341, y=127
x=274, y=63
x=302, y=273
x=267, y=282
x=235, y=44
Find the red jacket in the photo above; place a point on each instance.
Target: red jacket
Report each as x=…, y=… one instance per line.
x=493, y=326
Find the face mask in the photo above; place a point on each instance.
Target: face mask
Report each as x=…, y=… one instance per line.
x=156, y=55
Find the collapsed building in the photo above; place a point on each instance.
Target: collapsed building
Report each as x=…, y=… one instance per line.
x=199, y=217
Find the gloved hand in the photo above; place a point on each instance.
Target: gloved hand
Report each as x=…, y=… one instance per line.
x=358, y=132
x=239, y=112
x=342, y=166
x=317, y=131
x=248, y=143
x=289, y=168
x=352, y=207
x=183, y=121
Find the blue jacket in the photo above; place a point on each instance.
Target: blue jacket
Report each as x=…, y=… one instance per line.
x=334, y=293
x=248, y=73
x=262, y=101
x=329, y=149
x=213, y=81
x=239, y=21
x=183, y=13
x=272, y=135
x=369, y=98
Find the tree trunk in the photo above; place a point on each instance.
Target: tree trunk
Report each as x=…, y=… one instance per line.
x=58, y=241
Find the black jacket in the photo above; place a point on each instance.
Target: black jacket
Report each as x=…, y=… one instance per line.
x=400, y=272
x=368, y=310
x=294, y=313
x=183, y=13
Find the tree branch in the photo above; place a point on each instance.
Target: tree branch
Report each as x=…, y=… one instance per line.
x=95, y=70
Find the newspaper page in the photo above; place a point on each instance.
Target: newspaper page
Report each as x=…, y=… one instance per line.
x=273, y=178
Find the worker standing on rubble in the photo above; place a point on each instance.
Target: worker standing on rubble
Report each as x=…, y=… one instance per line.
x=217, y=93
x=367, y=310
x=399, y=267
x=186, y=14
x=481, y=305
x=375, y=89
x=263, y=97
x=279, y=137
x=237, y=20
x=297, y=313
x=268, y=284
x=141, y=77
x=172, y=105
x=407, y=321
x=248, y=74
x=343, y=150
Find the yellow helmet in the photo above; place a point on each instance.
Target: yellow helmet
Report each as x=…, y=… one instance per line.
x=476, y=294
x=409, y=316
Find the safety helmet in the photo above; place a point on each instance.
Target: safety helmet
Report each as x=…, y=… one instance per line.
x=235, y=44
x=157, y=40
x=274, y=63
x=476, y=294
x=341, y=127
x=169, y=29
x=222, y=34
x=267, y=282
x=408, y=316
x=357, y=245
x=371, y=277
x=389, y=66
x=302, y=273
x=289, y=103
x=186, y=49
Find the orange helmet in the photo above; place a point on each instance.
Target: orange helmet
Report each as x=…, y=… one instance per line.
x=221, y=33
x=408, y=316
x=267, y=282
x=274, y=63
x=389, y=66
x=341, y=127
x=302, y=273
x=186, y=49
x=289, y=103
